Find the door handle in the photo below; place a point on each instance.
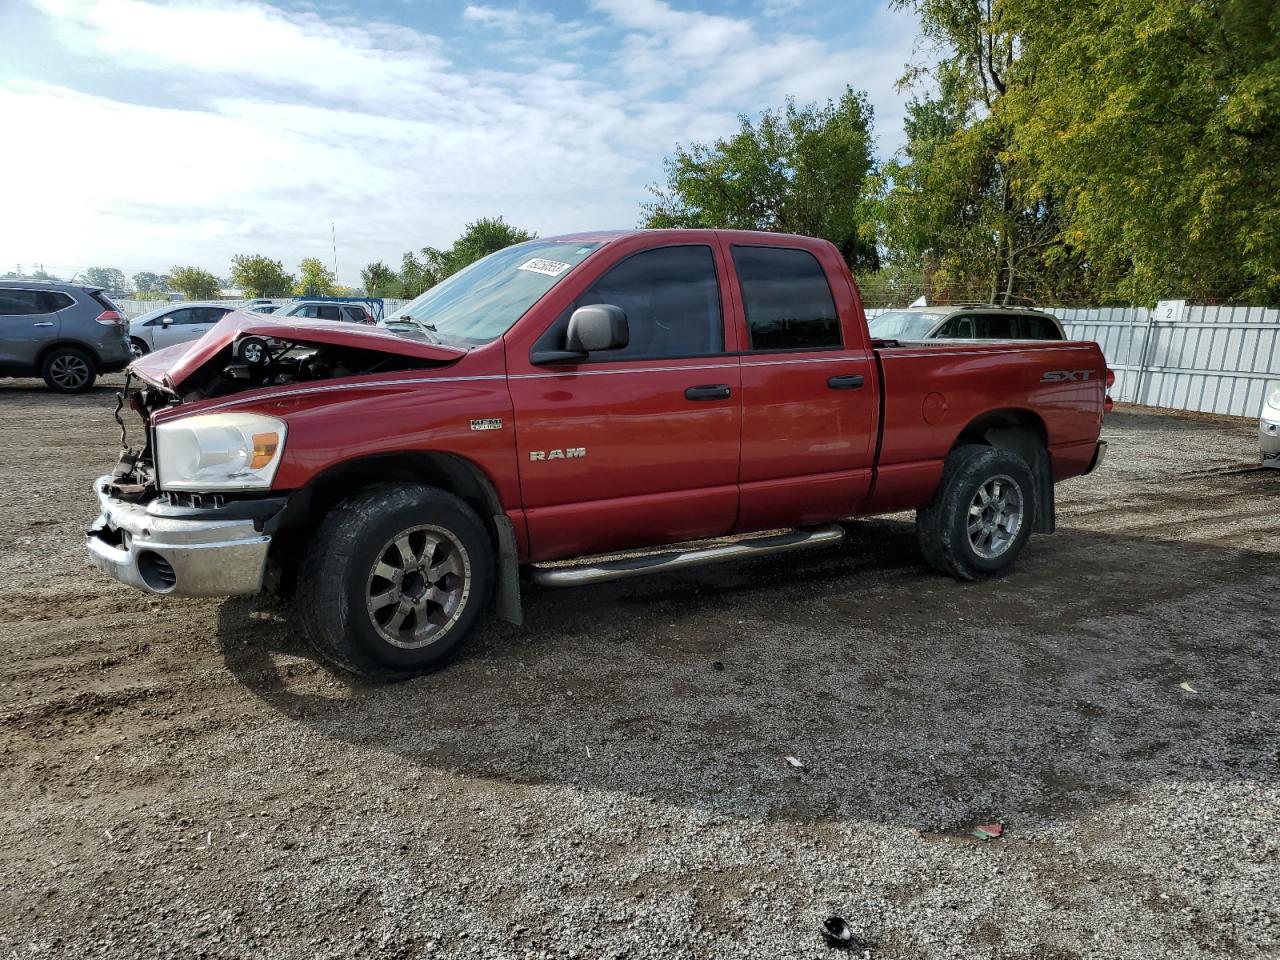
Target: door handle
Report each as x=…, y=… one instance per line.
x=711, y=391
x=851, y=382
x=43, y=323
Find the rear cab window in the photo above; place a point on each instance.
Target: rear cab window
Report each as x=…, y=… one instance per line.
x=787, y=300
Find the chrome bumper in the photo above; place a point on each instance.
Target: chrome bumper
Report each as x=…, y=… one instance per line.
x=175, y=555
x=1099, y=456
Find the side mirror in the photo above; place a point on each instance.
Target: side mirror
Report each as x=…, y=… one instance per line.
x=600, y=326
x=166, y=321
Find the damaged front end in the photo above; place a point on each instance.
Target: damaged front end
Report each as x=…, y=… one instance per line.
x=172, y=523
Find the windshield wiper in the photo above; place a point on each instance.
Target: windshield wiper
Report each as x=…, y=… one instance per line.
x=428, y=328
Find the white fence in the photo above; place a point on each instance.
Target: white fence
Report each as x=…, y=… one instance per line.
x=1209, y=359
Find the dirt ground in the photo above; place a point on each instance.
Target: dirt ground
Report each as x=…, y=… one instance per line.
x=181, y=779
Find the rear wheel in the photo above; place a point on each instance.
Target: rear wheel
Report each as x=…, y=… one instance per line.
x=981, y=517
x=394, y=580
x=138, y=347
x=68, y=370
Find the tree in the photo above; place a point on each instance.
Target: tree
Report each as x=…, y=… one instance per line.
x=148, y=283
x=1158, y=123
x=314, y=279
x=194, y=283
x=479, y=239
x=797, y=170
x=260, y=276
x=380, y=280
x=107, y=277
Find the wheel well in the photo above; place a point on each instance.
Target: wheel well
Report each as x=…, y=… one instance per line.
x=83, y=347
x=1023, y=432
x=447, y=472
x=444, y=471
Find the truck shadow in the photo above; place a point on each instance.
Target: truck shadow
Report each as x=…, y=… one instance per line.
x=908, y=698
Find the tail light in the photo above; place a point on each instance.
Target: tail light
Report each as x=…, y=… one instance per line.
x=1107, y=403
x=114, y=317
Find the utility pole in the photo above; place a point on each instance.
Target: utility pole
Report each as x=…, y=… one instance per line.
x=333, y=234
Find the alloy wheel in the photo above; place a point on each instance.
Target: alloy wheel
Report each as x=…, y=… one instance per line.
x=418, y=586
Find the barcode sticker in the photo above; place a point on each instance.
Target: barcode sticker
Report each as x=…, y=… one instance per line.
x=551, y=268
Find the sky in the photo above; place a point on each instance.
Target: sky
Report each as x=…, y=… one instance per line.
x=149, y=133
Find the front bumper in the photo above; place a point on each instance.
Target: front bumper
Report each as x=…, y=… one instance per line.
x=164, y=551
x=1269, y=442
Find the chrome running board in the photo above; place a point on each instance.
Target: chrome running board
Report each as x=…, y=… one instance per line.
x=574, y=576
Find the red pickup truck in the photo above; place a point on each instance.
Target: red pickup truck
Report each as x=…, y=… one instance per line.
x=568, y=397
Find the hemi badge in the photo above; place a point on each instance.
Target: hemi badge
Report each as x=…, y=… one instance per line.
x=494, y=424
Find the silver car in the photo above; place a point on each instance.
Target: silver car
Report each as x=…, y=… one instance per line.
x=174, y=323
x=63, y=332
x=1269, y=427
x=968, y=322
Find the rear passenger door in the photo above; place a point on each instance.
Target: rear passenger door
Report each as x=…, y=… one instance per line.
x=639, y=445
x=809, y=404
x=28, y=320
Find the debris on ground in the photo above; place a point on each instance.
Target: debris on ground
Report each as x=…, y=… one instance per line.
x=839, y=934
x=1184, y=685
x=717, y=665
x=988, y=831
x=796, y=762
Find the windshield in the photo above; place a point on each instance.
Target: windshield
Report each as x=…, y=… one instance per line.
x=482, y=301
x=903, y=324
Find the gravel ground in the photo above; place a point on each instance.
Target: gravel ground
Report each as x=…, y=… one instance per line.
x=181, y=779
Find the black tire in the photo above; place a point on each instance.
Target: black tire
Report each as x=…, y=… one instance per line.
x=68, y=370
x=943, y=527
x=139, y=347
x=253, y=350
x=338, y=582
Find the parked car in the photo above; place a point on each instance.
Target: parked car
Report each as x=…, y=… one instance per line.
x=66, y=333
x=571, y=397
x=967, y=322
x=174, y=323
x=1269, y=427
x=318, y=310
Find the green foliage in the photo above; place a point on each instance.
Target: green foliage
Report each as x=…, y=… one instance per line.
x=1158, y=123
x=150, y=286
x=109, y=278
x=314, y=279
x=194, y=283
x=1115, y=150
x=380, y=280
x=422, y=271
x=799, y=170
x=260, y=276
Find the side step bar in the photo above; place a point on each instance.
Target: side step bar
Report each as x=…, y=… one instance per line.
x=575, y=576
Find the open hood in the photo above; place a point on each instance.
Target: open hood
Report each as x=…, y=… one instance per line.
x=172, y=366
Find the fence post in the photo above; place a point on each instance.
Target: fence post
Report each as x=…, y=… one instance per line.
x=1169, y=311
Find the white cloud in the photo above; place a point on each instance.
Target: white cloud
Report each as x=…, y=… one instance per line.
x=276, y=123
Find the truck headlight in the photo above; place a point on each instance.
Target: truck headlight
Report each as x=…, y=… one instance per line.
x=219, y=451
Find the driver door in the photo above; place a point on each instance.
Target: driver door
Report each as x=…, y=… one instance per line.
x=639, y=445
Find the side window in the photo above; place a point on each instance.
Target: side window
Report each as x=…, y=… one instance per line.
x=21, y=303
x=957, y=328
x=787, y=299
x=210, y=314
x=997, y=326
x=672, y=301
x=328, y=313
x=1039, y=328
x=184, y=317
x=52, y=300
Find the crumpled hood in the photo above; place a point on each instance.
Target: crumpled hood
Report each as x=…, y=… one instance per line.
x=173, y=365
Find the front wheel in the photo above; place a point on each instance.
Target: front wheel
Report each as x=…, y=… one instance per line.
x=981, y=517
x=394, y=580
x=138, y=347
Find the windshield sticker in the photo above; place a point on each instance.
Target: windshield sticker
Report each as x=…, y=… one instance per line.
x=551, y=268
